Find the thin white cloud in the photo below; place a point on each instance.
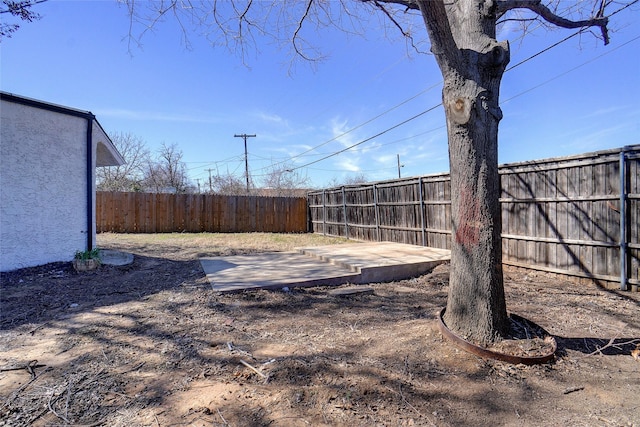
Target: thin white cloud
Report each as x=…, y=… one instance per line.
x=270, y=118
x=386, y=158
x=348, y=163
x=614, y=110
x=508, y=29
x=600, y=138
x=338, y=128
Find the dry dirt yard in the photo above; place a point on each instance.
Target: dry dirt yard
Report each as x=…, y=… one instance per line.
x=150, y=344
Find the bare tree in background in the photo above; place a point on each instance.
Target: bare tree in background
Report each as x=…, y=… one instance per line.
x=278, y=181
x=20, y=10
x=356, y=179
x=167, y=173
x=229, y=184
x=127, y=177
x=283, y=180
x=462, y=36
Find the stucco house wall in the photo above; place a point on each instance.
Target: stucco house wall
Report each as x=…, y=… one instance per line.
x=44, y=199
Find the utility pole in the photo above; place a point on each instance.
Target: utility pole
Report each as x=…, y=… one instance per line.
x=210, y=184
x=246, y=158
x=399, y=166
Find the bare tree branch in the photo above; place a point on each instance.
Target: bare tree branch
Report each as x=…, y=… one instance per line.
x=283, y=180
x=127, y=177
x=544, y=12
x=166, y=173
x=408, y=4
x=243, y=16
x=299, y=28
x=406, y=34
x=238, y=25
x=20, y=9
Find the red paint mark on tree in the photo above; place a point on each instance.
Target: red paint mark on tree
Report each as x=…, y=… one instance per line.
x=468, y=231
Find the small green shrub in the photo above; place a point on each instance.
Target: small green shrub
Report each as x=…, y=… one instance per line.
x=92, y=254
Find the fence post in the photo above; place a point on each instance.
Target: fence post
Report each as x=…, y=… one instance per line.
x=422, y=213
x=324, y=214
x=623, y=222
x=376, y=207
x=344, y=210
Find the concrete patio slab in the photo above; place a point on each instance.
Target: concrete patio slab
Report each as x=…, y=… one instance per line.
x=330, y=265
x=272, y=270
x=110, y=257
x=381, y=261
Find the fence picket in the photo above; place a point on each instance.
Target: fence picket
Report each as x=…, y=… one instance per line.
x=164, y=213
x=560, y=215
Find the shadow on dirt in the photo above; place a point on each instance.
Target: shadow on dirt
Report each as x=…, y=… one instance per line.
x=601, y=346
x=41, y=294
x=125, y=343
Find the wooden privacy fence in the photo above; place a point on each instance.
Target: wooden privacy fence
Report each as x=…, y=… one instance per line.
x=564, y=215
x=163, y=213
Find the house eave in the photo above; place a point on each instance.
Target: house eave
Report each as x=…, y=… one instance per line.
x=106, y=153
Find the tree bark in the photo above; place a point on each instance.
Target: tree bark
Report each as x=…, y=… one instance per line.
x=472, y=62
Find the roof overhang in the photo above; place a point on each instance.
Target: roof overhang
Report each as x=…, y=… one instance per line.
x=106, y=153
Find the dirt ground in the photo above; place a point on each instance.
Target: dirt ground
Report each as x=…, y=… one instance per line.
x=150, y=344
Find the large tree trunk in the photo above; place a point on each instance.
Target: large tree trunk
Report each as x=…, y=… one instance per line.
x=476, y=305
x=472, y=62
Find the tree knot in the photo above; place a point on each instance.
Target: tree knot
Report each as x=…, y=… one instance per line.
x=460, y=109
x=496, y=57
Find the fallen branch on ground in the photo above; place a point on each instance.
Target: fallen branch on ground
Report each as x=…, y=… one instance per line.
x=253, y=369
x=24, y=386
x=572, y=389
x=612, y=343
x=28, y=366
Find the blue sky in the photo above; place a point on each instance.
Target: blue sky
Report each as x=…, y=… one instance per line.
x=580, y=96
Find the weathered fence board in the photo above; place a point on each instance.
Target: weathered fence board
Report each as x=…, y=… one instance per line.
x=165, y=213
x=560, y=215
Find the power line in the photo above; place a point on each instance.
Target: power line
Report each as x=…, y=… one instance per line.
x=383, y=113
x=304, y=153
x=211, y=162
x=379, y=115
x=391, y=109
x=436, y=106
x=288, y=159
x=370, y=138
x=571, y=70
x=548, y=48
x=332, y=154
x=370, y=120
